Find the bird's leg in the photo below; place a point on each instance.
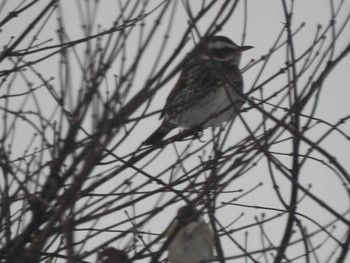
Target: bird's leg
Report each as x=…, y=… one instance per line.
x=198, y=133
x=191, y=134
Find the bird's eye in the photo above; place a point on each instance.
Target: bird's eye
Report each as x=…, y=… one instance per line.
x=221, y=52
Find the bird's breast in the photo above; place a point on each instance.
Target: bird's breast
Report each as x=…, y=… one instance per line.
x=210, y=110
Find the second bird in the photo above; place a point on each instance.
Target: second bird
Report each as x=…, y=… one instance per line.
x=207, y=91
x=193, y=241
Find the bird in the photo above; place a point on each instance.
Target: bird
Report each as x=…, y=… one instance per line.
x=208, y=90
x=193, y=241
x=112, y=255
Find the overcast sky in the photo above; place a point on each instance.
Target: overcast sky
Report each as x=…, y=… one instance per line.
x=265, y=20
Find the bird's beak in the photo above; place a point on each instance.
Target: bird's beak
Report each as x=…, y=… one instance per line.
x=244, y=48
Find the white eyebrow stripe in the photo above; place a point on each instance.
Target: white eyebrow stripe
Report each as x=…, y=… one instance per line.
x=220, y=45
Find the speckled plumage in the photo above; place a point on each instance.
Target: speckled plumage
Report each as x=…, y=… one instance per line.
x=204, y=93
x=207, y=92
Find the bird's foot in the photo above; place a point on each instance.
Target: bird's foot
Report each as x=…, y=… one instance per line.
x=192, y=134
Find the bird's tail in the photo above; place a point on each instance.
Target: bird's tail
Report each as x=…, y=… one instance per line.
x=159, y=134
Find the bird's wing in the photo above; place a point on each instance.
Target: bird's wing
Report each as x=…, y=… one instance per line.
x=180, y=84
x=182, y=94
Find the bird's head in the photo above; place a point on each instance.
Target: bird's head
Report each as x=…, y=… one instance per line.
x=187, y=214
x=221, y=49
